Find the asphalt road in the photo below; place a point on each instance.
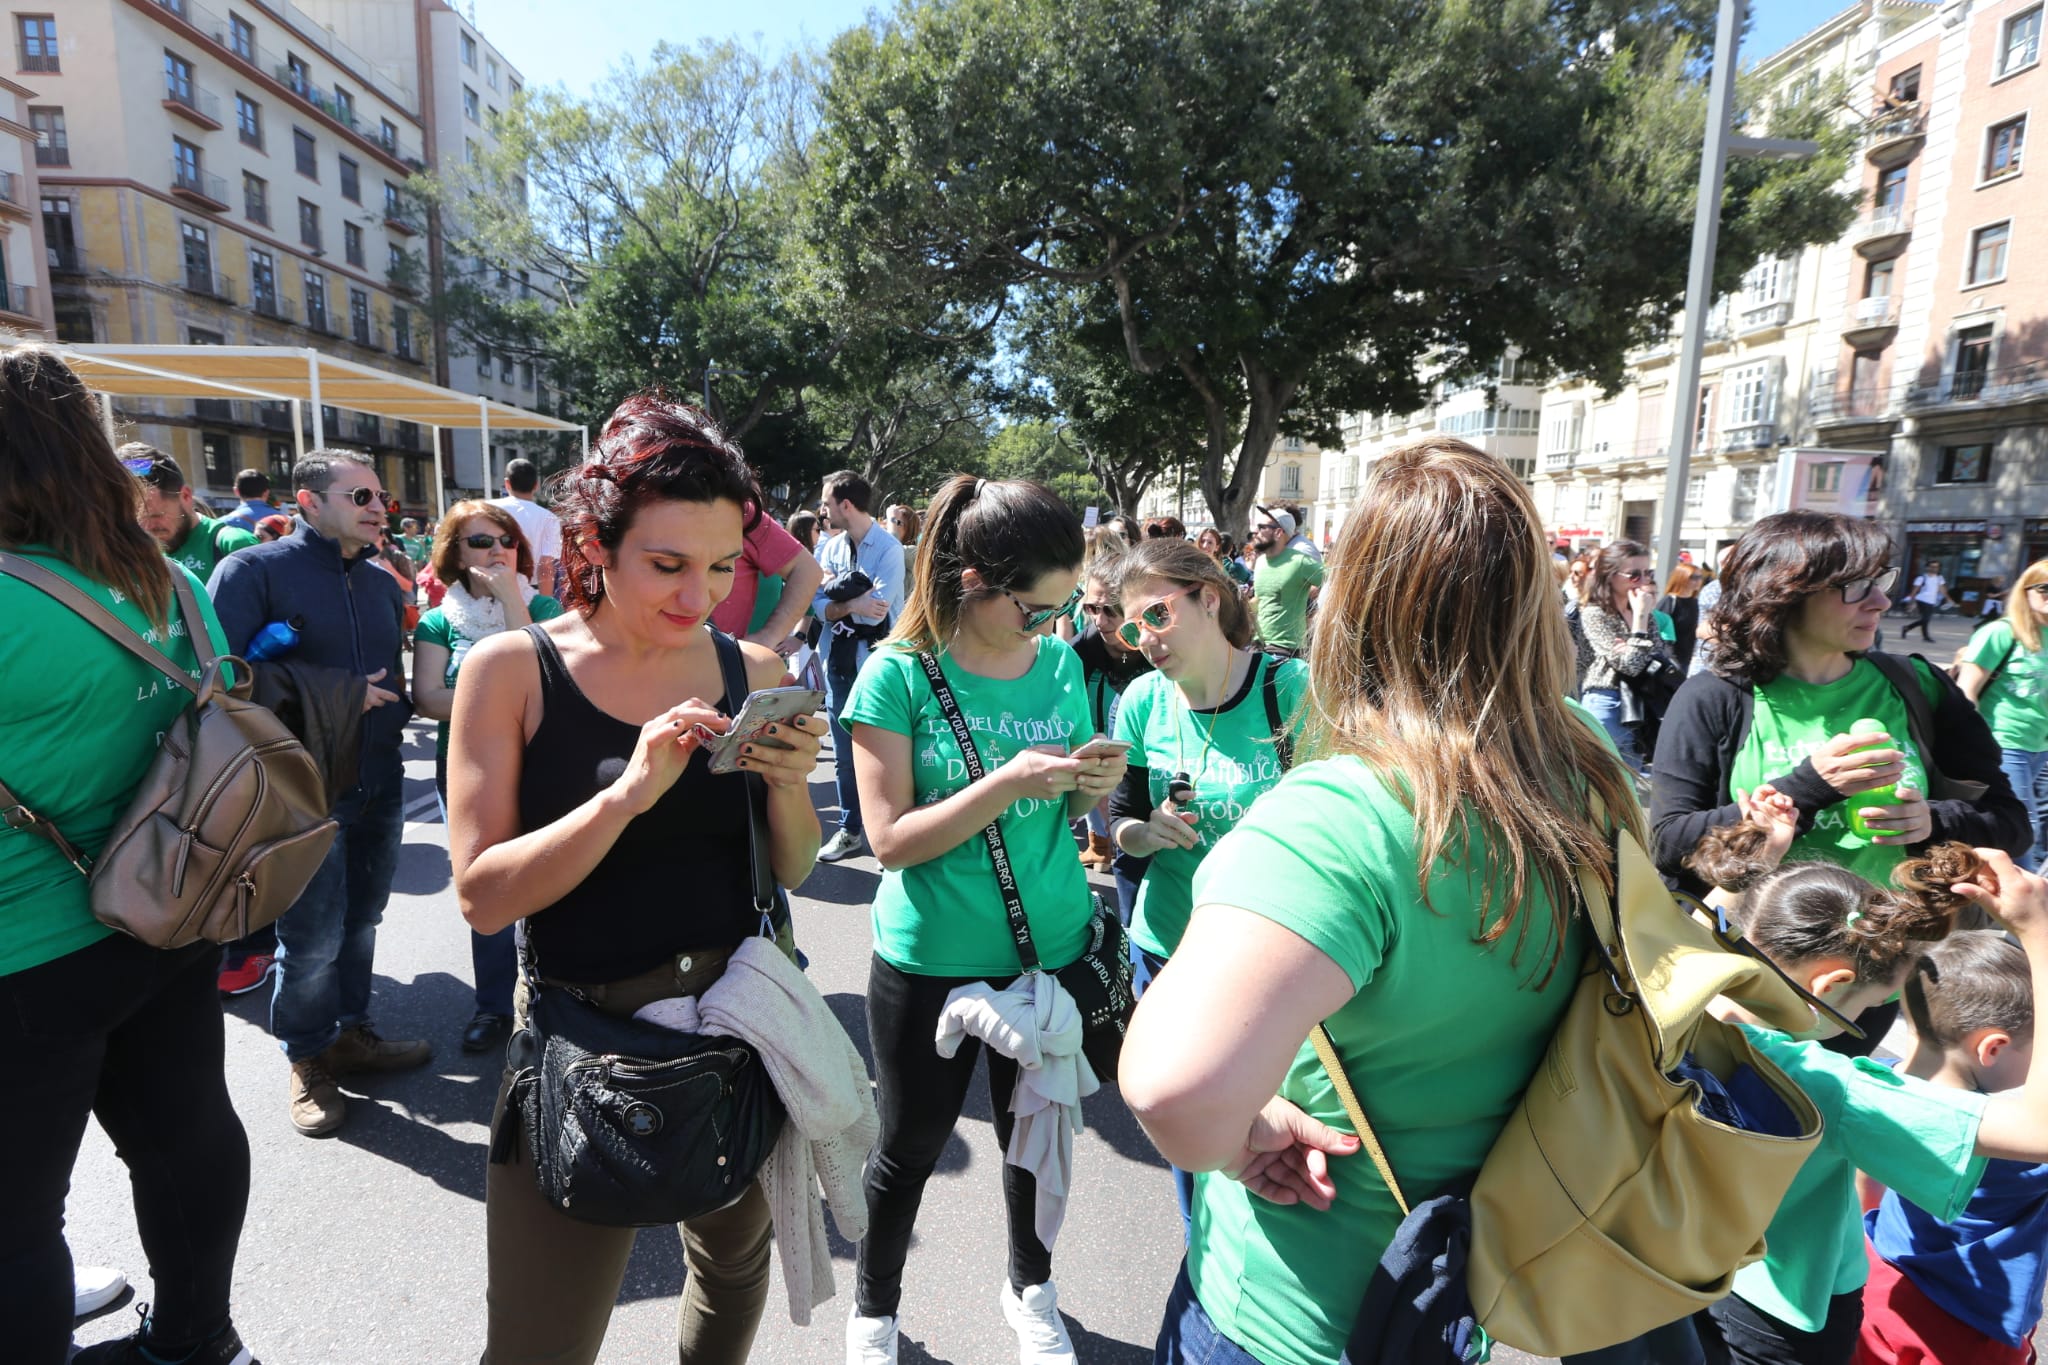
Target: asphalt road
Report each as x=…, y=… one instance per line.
x=367, y=1248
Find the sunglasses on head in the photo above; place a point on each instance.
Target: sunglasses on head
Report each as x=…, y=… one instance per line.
x=361, y=497
x=486, y=542
x=139, y=465
x=1034, y=618
x=1856, y=589
x=1156, y=617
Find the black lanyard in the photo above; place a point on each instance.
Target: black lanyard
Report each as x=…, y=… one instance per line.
x=1006, y=875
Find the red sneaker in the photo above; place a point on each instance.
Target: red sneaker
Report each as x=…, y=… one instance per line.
x=254, y=971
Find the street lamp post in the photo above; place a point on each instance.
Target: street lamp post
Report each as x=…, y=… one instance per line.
x=712, y=372
x=1699, y=287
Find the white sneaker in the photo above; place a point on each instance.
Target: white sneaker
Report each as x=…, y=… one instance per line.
x=842, y=844
x=1034, y=1316
x=870, y=1341
x=93, y=1287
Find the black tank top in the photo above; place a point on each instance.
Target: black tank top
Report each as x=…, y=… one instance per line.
x=677, y=878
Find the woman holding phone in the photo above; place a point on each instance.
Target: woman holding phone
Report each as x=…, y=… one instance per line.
x=576, y=793
x=1205, y=732
x=999, y=562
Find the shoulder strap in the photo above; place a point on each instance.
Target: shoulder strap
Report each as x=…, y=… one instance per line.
x=998, y=851
x=1283, y=742
x=110, y=625
x=733, y=664
x=1326, y=1050
x=1905, y=681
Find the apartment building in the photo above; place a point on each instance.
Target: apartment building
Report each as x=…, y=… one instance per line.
x=24, y=267
x=1292, y=475
x=1941, y=359
x=231, y=177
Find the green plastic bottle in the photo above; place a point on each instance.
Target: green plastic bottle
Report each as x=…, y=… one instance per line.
x=1887, y=795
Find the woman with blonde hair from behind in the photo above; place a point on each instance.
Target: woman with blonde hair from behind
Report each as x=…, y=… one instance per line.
x=2004, y=669
x=1407, y=885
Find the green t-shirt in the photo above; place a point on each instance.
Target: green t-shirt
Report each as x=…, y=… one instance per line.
x=207, y=544
x=945, y=917
x=434, y=629
x=1280, y=583
x=1911, y=1136
x=417, y=548
x=767, y=597
x=81, y=725
x=1228, y=754
x=1440, y=1041
x=1792, y=719
x=2015, y=701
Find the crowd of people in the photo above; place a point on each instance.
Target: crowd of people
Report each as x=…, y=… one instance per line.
x=1345, y=791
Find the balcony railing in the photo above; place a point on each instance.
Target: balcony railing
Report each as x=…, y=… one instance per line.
x=19, y=299
x=324, y=323
x=1831, y=403
x=197, y=184
x=192, y=100
x=56, y=154
x=274, y=416
x=1895, y=134
x=1870, y=319
x=405, y=348
x=1764, y=316
x=1560, y=461
x=271, y=305
x=1748, y=436
x=366, y=334
x=1879, y=229
x=367, y=429
x=10, y=189
x=2007, y=384
x=67, y=258
x=43, y=61
x=206, y=282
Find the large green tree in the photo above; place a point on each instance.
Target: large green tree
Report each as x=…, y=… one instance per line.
x=1293, y=203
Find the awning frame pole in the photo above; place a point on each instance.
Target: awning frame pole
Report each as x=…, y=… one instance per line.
x=483, y=437
x=298, y=431
x=440, y=488
x=313, y=384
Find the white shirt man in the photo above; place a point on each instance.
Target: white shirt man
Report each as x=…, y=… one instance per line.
x=542, y=528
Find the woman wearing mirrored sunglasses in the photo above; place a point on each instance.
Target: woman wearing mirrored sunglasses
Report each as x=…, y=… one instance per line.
x=483, y=558
x=1619, y=645
x=997, y=563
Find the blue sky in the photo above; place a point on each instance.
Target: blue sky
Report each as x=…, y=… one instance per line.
x=549, y=47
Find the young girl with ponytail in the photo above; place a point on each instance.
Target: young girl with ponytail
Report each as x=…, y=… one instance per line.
x=998, y=563
x=1853, y=944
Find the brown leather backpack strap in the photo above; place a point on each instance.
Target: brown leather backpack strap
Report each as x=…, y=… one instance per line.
x=195, y=621
x=110, y=625
x=16, y=815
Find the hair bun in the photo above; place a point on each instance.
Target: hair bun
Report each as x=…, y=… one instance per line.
x=1927, y=879
x=1731, y=856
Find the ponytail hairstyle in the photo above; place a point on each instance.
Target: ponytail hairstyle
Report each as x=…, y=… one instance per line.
x=1011, y=532
x=652, y=448
x=1183, y=564
x=1802, y=911
x=1976, y=979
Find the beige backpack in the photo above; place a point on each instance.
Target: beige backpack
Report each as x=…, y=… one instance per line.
x=230, y=822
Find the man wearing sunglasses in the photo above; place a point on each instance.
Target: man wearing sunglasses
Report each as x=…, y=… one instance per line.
x=345, y=677
x=1285, y=581
x=170, y=514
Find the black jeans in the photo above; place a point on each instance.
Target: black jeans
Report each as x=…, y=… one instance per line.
x=920, y=1095
x=1926, y=610
x=132, y=1036
x=1735, y=1332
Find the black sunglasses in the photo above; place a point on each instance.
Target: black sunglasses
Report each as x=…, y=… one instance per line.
x=361, y=497
x=486, y=542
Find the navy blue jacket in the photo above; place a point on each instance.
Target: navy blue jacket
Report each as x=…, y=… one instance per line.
x=352, y=617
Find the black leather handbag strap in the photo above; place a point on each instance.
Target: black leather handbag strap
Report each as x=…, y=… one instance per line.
x=1006, y=875
x=733, y=664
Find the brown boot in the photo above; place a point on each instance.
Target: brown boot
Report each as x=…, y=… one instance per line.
x=360, y=1049
x=317, y=1104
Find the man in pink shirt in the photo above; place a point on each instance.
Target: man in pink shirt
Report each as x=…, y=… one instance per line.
x=770, y=551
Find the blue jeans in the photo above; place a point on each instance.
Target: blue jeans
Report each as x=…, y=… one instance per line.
x=838, y=683
x=1605, y=704
x=493, y=958
x=2026, y=771
x=1145, y=966
x=1189, y=1336
x=326, y=941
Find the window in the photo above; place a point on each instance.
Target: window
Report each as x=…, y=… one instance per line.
x=401, y=331
x=53, y=148
x=185, y=165
x=249, y=120
x=279, y=458
x=352, y=243
x=394, y=203
x=217, y=455
x=316, y=299
x=526, y=374
x=394, y=259
x=297, y=74
x=1964, y=464
x=359, y=315
x=38, y=36
x=178, y=79
x=1696, y=493
x=1752, y=397
x=1290, y=474
x=344, y=106
x=198, y=253
x=469, y=152
x=1891, y=192
x=1768, y=281
x=309, y=223
x=491, y=72
x=387, y=136
x=1703, y=420
x=491, y=119
x=505, y=377
x=1877, y=279
x=468, y=48
x=525, y=285
x=351, y=180
x=1742, y=508
x=513, y=87
x=242, y=37
x=1972, y=363
x=60, y=238
x=1863, y=368
x=305, y=153
x=1825, y=477
x=1596, y=499
x=262, y=281
x=469, y=105
x=483, y=361
x=1987, y=254
x=1905, y=87
x=2022, y=45
x=256, y=199
x=2002, y=148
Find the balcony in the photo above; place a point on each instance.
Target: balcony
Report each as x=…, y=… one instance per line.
x=1831, y=405
x=366, y=334
x=212, y=286
x=195, y=186
x=406, y=348
x=1748, y=436
x=398, y=220
x=193, y=103
x=274, y=307
x=2007, y=384
x=12, y=195
x=324, y=323
x=1871, y=321
x=1763, y=317
x=18, y=300
x=1894, y=135
x=43, y=61
x=1559, y=461
x=367, y=429
x=274, y=416
x=1881, y=232
x=66, y=258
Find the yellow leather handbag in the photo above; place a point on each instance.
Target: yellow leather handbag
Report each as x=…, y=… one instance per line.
x=1628, y=1187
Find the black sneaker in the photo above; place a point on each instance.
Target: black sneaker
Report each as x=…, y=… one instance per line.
x=226, y=1348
